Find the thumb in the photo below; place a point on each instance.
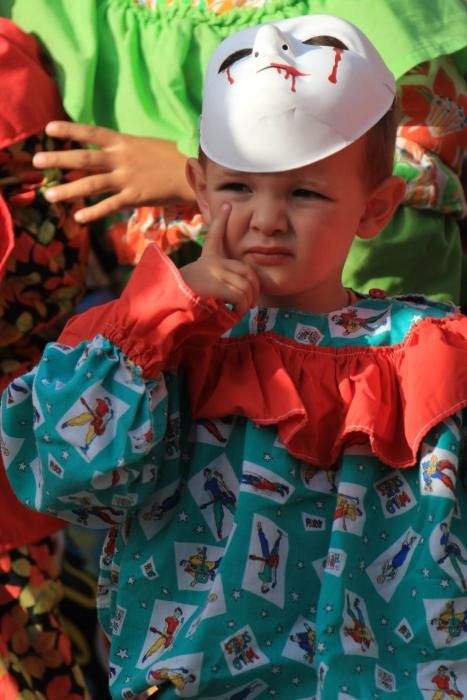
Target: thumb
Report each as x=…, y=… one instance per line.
x=214, y=243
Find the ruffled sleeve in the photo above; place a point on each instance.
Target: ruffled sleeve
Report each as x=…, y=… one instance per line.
x=156, y=316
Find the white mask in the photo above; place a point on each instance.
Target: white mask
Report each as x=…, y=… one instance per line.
x=272, y=102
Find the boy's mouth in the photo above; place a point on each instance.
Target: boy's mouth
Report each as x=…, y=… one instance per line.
x=268, y=255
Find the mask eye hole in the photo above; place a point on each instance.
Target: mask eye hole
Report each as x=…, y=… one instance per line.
x=285, y=47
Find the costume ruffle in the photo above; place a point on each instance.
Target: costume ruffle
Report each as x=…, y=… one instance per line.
x=320, y=398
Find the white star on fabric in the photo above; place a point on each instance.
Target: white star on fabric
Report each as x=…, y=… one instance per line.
x=131, y=580
x=276, y=669
x=88, y=375
x=383, y=535
x=358, y=668
x=413, y=592
x=231, y=623
x=22, y=466
x=296, y=680
x=300, y=564
x=328, y=607
x=267, y=457
x=46, y=437
x=344, y=688
x=236, y=594
x=199, y=529
x=383, y=620
x=182, y=517
x=264, y=613
x=137, y=555
x=65, y=454
x=426, y=572
x=391, y=648
x=122, y=653
x=321, y=647
x=295, y=596
x=444, y=583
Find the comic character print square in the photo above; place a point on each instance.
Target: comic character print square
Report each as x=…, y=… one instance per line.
x=242, y=652
x=301, y=642
x=167, y=620
x=215, y=489
x=92, y=422
x=395, y=495
x=356, y=321
x=349, y=514
x=387, y=571
x=160, y=508
x=197, y=565
x=356, y=633
x=181, y=672
x=265, y=568
x=263, y=482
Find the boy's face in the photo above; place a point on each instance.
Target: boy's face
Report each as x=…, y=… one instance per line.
x=294, y=228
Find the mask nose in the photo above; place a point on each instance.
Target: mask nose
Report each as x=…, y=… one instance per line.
x=270, y=43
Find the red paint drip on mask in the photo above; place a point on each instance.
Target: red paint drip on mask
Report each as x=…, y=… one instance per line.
x=229, y=77
x=289, y=71
x=338, y=55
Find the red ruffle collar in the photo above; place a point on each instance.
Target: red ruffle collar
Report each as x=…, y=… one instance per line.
x=320, y=398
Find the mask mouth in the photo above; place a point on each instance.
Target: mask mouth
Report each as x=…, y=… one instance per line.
x=289, y=72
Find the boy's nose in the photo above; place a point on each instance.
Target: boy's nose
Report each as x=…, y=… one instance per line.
x=269, y=217
x=271, y=44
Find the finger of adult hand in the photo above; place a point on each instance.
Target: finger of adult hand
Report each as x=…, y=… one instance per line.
x=83, y=133
x=72, y=160
x=214, y=243
x=84, y=187
x=105, y=207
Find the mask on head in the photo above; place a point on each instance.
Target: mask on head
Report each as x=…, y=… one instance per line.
x=274, y=102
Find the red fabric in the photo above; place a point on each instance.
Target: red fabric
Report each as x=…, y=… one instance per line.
x=28, y=100
x=6, y=235
x=320, y=398
x=29, y=97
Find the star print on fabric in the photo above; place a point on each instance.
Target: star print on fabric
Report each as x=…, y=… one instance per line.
x=267, y=457
x=143, y=604
x=319, y=504
x=391, y=648
x=236, y=594
x=46, y=437
x=312, y=609
x=137, y=555
x=321, y=647
x=268, y=643
x=361, y=467
x=444, y=583
x=131, y=580
x=413, y=592
x=88, y=375
x=426, y=572
x=383, y=535
x=164, y=590
x=231, y=623
x=328, y=607
x=264, y=613
x=272, y=691
x=383, y=620
x=329, y=630
x=365, y=539
x=294, y=595
x=423, y=652
x=22, y=466
x=296, y=680
x=275, y=669
x=65, y=454
x=362, y=565
x=199, y=529
x=358, y=668
x=279, y=629
x=214, y=669
x=300, y=564
x=182, y=517
x=344, y=688
x=122, y=653
x=406, y=673
x=430, y=517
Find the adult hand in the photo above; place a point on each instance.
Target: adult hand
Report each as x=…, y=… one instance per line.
x=213, y=274
x=132, y=170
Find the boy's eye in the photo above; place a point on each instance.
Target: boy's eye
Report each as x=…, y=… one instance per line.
x=235, y=187
x=307, y=194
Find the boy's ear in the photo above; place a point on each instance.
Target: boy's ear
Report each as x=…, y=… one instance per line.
x=196, y=177
x=381, y=205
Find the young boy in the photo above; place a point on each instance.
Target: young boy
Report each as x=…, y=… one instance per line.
x=265, y=537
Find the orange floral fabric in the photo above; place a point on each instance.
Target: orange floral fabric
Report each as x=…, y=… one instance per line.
x=36, y=660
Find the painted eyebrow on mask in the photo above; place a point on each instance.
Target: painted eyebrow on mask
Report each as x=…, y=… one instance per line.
x=236, y=56
x=326, y=40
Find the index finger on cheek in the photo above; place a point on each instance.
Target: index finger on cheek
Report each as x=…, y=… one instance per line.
x=215, y=238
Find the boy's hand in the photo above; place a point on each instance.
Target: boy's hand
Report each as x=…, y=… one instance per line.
x=215, y=275
x=137, y=171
